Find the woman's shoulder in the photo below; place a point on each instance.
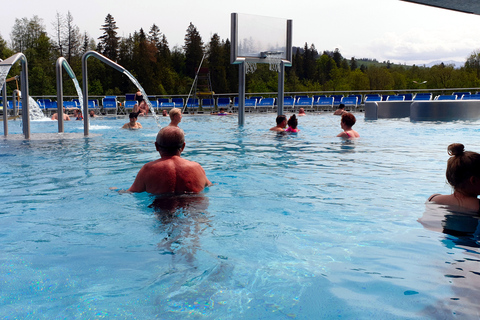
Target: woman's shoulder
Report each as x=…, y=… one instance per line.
x=433, y=196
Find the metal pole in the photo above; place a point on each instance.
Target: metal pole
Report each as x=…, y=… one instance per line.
x=281, y=88
x=25, y=98
x=58, y=70
x=14, y=103
x=5, y=113
x=85, y=93
x=241, y=94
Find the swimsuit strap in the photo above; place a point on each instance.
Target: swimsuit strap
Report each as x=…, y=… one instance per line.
x=433, y=196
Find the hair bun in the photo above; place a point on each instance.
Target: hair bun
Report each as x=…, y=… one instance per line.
x=456, y=149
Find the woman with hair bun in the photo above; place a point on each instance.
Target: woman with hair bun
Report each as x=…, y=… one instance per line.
x=292, y=124
x=463, y=174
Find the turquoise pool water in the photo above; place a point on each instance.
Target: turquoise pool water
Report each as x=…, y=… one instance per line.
x=303, y=226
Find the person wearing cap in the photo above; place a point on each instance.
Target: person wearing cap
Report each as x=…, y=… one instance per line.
x=171, y=174
x=133, y=124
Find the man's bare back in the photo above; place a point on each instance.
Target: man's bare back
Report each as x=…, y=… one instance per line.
x=171, y=173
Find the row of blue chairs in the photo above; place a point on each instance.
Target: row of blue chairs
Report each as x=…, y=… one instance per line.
x=423, y=97
x=294, y=103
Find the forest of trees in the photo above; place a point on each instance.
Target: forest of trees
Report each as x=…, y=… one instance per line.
x=162, y=70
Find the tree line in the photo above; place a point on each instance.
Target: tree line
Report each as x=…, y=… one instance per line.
x=162, y=70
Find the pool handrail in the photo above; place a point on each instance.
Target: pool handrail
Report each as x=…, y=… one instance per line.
x=62, y=62
x=25, y=96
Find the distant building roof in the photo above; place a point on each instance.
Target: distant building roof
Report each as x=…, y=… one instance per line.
x=467, y=6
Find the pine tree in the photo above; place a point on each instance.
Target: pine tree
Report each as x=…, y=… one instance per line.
x=109, y=42
x=217, y=65
x=193, y=50
x=154, y=36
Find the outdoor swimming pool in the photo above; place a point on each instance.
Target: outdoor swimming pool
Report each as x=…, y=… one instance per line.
x=303, y=226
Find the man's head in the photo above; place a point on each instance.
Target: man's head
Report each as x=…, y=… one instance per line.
x=170, y=141
x=175, y=114
x=280, y=119
x=133, y=116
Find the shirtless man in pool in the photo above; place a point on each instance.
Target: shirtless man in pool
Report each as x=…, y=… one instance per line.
x=171, y=173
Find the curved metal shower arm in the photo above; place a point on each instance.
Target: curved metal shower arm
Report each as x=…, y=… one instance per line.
x=13, y=59
x=104, y=59
x=62, y=62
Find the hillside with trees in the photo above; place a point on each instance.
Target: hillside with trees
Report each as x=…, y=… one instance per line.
x=170, y=71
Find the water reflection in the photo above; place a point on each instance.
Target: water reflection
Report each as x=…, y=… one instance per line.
x=183, y=219
x=463, y=226
x=462, y=258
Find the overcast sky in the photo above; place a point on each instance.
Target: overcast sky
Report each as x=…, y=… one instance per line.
x=382, y=29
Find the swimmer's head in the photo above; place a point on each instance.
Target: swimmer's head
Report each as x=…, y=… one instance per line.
x=293, y=122
x=170, y=140
x=341, y=106
x=280, y=119
x=173, y=112
x=348, y=119
x=133, y=115
x=461, y=166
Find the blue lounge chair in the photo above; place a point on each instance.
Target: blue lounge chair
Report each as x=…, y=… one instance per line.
x=471, y=97
x=372, y=98
x=208, y=104
x=422, y=97
x=50, y=107
x=179, y=102
x=359, y=98
x=109, y=103
x=446, y=97
x=395, y=98
x=337, y=99
x=192, y=104
x=70, y=104
x=460, y=95
x=257, y=98
x=169, y=105
x=288, y=104
x=306, y=103
x=325, y=103
x=350, y=102
x=266, y=104
x=408, y=96
x=224, y=103
x=129, y=104
x=250, y=105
